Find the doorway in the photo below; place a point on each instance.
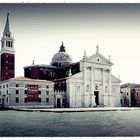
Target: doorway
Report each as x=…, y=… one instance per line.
x=58, y=103
x=96, y=93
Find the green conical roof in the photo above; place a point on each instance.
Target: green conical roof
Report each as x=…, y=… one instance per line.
x=7, y=28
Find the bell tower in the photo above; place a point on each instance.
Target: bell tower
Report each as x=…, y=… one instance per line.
x=7, y=53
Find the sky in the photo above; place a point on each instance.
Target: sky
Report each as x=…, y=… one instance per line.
x=39, y=30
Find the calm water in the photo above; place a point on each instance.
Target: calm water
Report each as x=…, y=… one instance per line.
x=112, y=123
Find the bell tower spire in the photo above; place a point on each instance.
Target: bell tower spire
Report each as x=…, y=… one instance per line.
x=7, y=53
x=7, y=28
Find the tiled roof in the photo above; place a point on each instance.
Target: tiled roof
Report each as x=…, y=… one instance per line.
x=40, y=66
x=21, y=78
x=130, y=85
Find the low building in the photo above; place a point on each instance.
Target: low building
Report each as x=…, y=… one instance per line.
x=21, y=91
x=130, y=94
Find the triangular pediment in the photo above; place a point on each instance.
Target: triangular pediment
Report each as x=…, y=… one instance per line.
x=99, y=59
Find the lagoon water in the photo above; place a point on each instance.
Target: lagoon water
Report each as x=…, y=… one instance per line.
x=89, y=124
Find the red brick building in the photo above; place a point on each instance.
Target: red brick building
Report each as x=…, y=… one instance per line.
x=60, y=68
x=7, y=54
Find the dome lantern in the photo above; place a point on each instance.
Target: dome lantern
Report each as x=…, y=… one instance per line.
x=61, y=58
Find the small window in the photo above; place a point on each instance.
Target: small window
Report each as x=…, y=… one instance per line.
x=96, y=87
x=121, y=102
x=127, y=93
x=98, y=59
x=47, y=86
x=7, y=91
x=17, y=92
x=3, y=86
x=11, y=44
x=25, y=99
x=47, y=100
x=7, y=85
x=25, y=91
x=39, y=100
x=87, y=88
x=17, y=99
x=47, y=92
x=105, y=89
x=17, y=85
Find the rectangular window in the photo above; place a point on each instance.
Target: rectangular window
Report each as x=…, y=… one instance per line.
x=39, y=100
x=47, y=92
x=25, y=91
x=3, y=86
x=7, y=91
x=25, y=99
x=17, y=85
x=47, y=86
x=7, y=85
x=17, y=92
x=39, y=92
x=17, y=99
x=47, y=100
x=9, y=44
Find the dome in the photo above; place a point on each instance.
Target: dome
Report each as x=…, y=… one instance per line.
x=61, y=58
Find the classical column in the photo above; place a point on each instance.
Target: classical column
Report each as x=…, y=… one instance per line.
x=129, y=95
x=109, y=87
x=103, y=81
x=84, y=84
x=104, y=96
x=92, y=101
x=92, y=80
x=85, y=79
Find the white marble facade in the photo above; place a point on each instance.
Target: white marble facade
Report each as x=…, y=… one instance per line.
x=94, y=85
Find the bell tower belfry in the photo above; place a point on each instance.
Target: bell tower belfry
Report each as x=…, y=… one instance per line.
x=7, y=53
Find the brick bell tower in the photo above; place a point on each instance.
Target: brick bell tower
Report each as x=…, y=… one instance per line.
x=7, y=54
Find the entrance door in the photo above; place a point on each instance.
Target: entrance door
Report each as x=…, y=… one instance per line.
x=58, y=103
x=96, y=93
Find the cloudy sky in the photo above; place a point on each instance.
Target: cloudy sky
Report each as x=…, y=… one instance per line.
x=39, y=29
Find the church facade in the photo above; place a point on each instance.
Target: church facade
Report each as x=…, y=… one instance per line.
x=86, y=83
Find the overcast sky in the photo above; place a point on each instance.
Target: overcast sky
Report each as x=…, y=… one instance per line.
x=39, y=29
